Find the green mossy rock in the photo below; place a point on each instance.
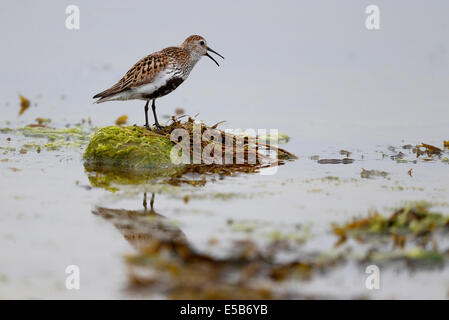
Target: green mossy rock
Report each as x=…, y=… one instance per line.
x=131, y=155
x=129, y=149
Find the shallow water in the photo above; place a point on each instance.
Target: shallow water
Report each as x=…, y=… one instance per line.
x=335, y=86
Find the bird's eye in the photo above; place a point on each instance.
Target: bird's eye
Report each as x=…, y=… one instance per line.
x=202, y=42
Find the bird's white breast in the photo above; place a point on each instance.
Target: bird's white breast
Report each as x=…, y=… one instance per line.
x=145, y=90
x=159, y=81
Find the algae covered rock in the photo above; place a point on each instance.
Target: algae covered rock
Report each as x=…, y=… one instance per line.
x=146, y=154
x=128, y=149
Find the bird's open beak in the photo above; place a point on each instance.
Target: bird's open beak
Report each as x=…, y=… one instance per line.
x=207, y=54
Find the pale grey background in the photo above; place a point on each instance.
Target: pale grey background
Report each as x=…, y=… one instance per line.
x=309, y=68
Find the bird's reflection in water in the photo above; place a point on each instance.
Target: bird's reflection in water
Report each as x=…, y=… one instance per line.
x=166, y=265
x=142, y=227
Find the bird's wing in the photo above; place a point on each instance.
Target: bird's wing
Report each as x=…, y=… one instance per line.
x=143, y=72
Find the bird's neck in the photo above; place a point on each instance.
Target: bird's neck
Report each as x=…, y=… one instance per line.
x=194, y=57
x=190, y=60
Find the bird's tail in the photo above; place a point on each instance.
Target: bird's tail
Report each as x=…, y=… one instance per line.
x=107, y=94
x=103, y=99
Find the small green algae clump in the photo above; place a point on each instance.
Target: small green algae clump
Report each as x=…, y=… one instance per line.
x=415, y=256
x=49, y=139
x=128, y=149
x=414, y=219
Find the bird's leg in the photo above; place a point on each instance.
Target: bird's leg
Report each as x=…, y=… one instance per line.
x=146, y=115
x=152, y=204
x=145, y=202
x=156, y=123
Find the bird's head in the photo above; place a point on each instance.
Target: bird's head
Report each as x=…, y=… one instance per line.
x=197, y=47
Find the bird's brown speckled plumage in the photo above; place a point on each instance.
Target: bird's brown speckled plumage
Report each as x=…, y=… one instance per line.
x=147, y=68
x=158, y=74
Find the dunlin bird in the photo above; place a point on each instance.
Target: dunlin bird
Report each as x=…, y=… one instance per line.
x=158, y=74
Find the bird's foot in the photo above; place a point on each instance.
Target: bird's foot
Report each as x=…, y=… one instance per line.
x=156, y=126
